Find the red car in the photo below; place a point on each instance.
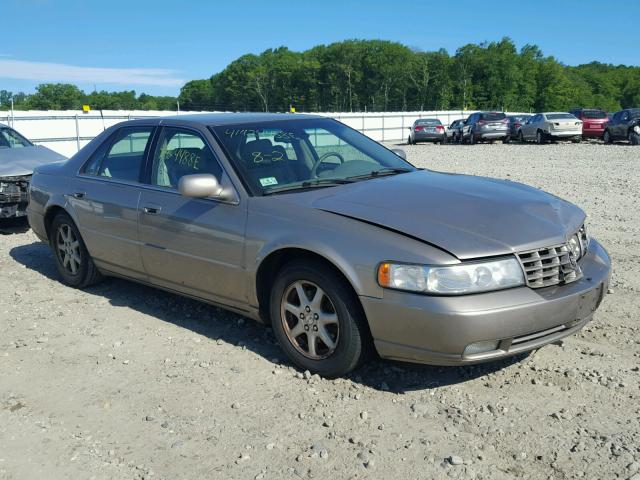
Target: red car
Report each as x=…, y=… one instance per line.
x=594, y=121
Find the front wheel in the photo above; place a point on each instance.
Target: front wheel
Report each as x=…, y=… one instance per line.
x=634, y=138
x=317, y=319
x=70, y=253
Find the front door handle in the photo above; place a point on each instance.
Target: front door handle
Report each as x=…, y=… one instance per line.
x=151, y=209
x=79, y=195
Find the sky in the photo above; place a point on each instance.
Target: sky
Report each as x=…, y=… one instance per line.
x=156, y=46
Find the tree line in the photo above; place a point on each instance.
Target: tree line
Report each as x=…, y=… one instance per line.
x=63, y=96
x=377, y=75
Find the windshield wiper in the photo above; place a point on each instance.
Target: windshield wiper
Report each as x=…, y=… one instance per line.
x=382, y=172
x=317, y=182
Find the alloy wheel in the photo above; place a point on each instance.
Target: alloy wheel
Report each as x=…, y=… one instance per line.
x=68, y=249
x=310, y=320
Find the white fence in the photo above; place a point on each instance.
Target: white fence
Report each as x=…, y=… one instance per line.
x=68, y=131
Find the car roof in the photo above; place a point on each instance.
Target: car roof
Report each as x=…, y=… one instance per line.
x=217, y=119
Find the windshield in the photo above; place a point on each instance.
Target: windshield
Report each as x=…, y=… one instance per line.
x=491, y=116
x=9, y=138
x=560, y=116
x=428, y=121
x=292, y=154
x=592, y=114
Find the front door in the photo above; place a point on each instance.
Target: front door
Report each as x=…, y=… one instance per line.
x=105, y=199
x=191, y=245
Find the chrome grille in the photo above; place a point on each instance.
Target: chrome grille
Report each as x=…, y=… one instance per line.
x=549, y=266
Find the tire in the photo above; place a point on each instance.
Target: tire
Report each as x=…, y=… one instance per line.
x=349, y=332
x=606, y=138
x=472, y=138
x=540, y=139
x=521, y=137
x=409, y=142
x=576, y=140
x=634, y=138
x=70, y=254
x=506, y=140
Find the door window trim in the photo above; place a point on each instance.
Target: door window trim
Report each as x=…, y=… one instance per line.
x=112, y=140
x=148, y=166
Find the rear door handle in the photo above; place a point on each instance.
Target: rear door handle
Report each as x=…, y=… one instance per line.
x=151, y=209
x=79, y=195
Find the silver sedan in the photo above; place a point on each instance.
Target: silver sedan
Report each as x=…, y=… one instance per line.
x=544, y=127
x=338, y=243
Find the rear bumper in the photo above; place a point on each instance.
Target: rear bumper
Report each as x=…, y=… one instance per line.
x=593, y=132
x=437, y=330
x=36, y=222
x=565, y=134
x=492, y=135
x=428, y=137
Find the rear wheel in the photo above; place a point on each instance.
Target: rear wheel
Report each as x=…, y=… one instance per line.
x=521, y=137
x=70, y=253
x=540, y=138
x=472, y=138
x=318, y=320
x=606, y=138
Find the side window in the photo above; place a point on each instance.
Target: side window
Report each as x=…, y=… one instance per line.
x=181, y=152
x=121, y=156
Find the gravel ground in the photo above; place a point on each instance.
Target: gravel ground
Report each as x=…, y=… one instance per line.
x=124, y=381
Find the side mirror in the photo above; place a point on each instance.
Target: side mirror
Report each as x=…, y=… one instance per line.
x=401, y=153
x=200, y=185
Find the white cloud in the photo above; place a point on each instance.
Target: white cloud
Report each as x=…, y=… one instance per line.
x=60, y=72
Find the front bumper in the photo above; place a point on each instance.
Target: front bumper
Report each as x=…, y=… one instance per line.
x=14, y=196
x=437, y=329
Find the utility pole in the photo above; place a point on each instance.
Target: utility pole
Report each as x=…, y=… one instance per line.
x=178, y=104
x=12, y=121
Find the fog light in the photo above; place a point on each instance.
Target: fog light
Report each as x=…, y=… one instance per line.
x=481, y=347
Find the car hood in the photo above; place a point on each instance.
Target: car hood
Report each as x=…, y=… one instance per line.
x=467, y=216
x=22, y=161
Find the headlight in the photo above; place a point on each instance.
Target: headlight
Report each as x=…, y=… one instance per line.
x=576, y=246
x=472, y=277
x=579, y=242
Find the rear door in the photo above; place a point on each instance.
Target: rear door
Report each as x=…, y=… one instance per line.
x=105, y=198
x=192, y=245
x=529, y=127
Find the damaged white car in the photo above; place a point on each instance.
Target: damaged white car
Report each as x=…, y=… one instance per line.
x=18, y=158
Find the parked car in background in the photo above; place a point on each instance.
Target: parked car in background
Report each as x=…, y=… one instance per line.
x=321, y=232
x=485, y=126
x=515, y=122
x=18, y=158
x=544, y=127
x=624, y=125
x=426, y=130
x=453, y=132
x=594, y=121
